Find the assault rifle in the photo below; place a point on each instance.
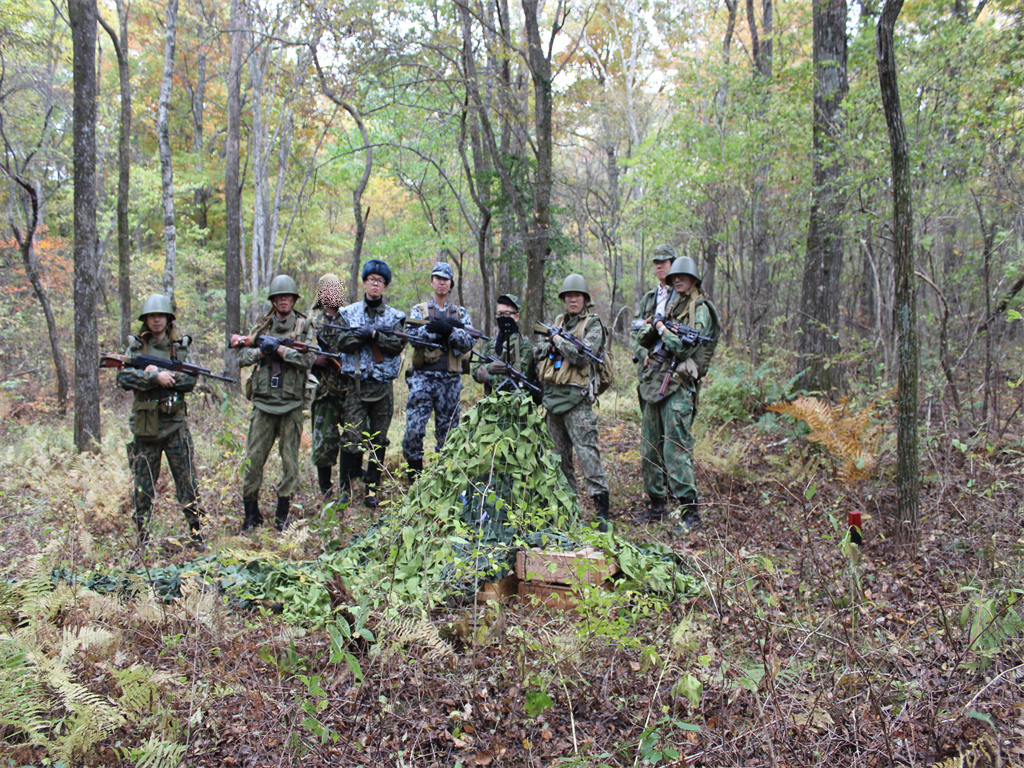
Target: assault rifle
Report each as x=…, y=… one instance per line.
x=141, y=362
x=686, y=334
x=554, y=330
x=407, y=338
x=474, y=333
x=662, y=356
x=268, y=345
x=517, y=377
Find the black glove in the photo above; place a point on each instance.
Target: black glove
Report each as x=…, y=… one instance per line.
x=364, y=333
x=268, y=348
x=456, y=323
x=440, y=327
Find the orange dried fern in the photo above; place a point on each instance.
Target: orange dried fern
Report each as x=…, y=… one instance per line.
x=852, y=437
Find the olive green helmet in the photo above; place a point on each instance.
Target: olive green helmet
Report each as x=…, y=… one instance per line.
x=282, y=284
x=684, y=265
x=156, y=304
x=577, y=283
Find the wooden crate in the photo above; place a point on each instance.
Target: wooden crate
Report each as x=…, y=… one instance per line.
x=555, y=596
x=586, y=566
x=499, y=590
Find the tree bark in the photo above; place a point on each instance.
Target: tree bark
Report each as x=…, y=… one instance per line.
x=233, y=190
x=163, y=135
x=124, y=160
x=818, y=341
x=907, y=525
x=82, y=15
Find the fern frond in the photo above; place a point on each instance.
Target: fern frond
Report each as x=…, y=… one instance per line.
x=414, y=630
x=80, y=639
x=159, y=753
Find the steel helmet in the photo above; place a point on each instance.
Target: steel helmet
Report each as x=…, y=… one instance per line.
x=156, y=304
x=281, y=285
x=577, y=283
x=329, y=291
x=684, y=265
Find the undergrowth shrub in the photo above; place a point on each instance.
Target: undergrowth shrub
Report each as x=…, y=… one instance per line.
x=736, y=391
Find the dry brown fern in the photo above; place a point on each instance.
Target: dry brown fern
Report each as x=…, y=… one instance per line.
x=852, y=437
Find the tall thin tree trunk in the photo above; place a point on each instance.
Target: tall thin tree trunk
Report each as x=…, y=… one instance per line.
x=818, y=341
x=82, y=14
x=164, y=137
x=233, y=189
x=907, y=525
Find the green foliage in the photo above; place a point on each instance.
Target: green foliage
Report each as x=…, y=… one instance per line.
x=991, y=622
x=736, y=391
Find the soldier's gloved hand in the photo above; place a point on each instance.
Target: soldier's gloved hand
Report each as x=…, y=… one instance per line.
x=440, y=327
x=268, y=348
x=364, y=333
x=456, y=323
x=320, y=362
x=689, y=368
x=497, y=368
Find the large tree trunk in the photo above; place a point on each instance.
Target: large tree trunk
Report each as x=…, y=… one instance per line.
x=82, y=14
x=818, y=343
x=164, y=137
x=907, y=525
x=124, y=161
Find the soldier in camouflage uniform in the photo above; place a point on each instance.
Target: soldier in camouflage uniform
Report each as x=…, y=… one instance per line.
x=328, y=409
x=372, y=359
x=654, y=302
x=158, y=418
x=278, y=391
x=435, y=382
x=569, y=390
x=509, y=346
x=669, y=388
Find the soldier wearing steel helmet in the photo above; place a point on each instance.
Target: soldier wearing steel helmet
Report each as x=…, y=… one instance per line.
x=158, y=417
x=435, y=382
x=328, y=410
x=668, y=383
x=568, y=379
x=278, y=389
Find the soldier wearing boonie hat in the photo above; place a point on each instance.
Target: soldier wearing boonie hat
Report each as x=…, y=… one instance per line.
x=435, y=381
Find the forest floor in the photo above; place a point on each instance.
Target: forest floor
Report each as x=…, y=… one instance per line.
x=801, y=649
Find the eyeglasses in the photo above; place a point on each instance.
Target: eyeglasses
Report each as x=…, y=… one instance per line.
x=374, y=280
x=505, y=314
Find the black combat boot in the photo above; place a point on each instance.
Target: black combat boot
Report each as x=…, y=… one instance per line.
x=689, y=519
x=281, y=515
x=601, y=507
x=414, y=470
x=323, y=479
x=345, y=464
x=253, y=518
x=655, y=510
x=356, y=466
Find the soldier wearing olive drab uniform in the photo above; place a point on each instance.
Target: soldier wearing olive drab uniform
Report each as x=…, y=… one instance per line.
x=371, y=361
x=278, y=388
x=158, y=418
x=568, y=379
x=509, y=346
x=669, y=390
x=435, y=383
x=655, y=302
x=327, y=412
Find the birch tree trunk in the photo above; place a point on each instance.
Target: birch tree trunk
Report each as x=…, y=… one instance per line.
x=164, y=138
x=906, y=527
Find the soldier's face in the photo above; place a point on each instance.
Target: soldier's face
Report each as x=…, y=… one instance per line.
x=682, y=283
x=440, y=285
x=573, y=302
x=157, y=322
x=374, y=286
x=283, y=304
x=661, y=268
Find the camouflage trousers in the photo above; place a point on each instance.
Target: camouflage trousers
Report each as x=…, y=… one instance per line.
x=144, y=459
x=577, y=428
x=666, y=442
x=367, y=422
x=430, y=391
x=264, y=429
x=327, y=417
